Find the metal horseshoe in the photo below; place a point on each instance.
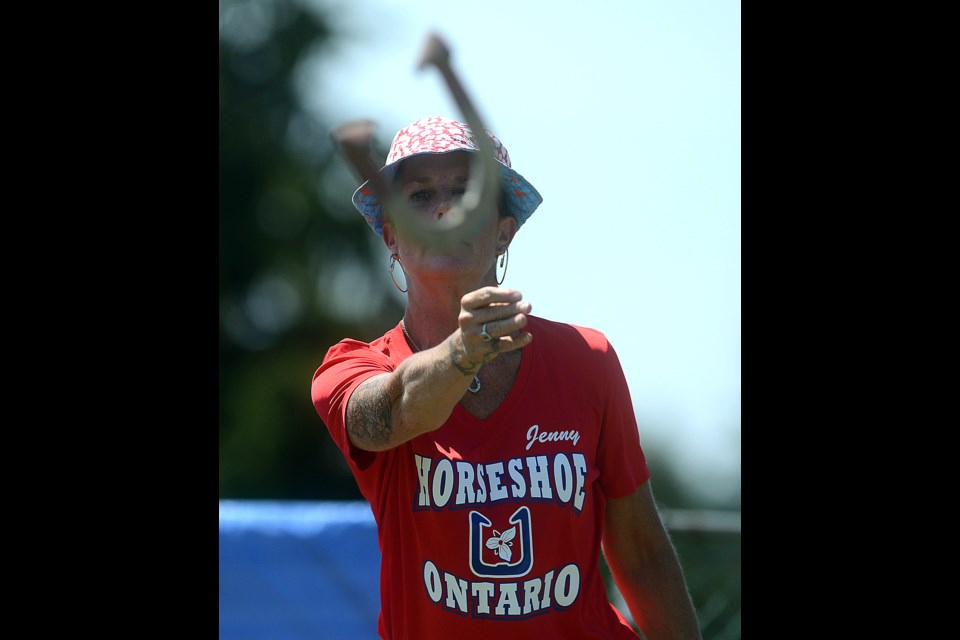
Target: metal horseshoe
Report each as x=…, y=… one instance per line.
x=467, y=216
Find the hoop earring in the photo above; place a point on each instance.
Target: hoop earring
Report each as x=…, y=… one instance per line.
x=504, y=257
x=394, y=260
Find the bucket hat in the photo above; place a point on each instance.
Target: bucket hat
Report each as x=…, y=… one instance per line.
x=437, y=134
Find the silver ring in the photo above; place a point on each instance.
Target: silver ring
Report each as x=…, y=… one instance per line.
x=483, y=334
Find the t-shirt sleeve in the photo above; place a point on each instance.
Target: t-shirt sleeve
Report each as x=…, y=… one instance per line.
x=346, y=365
x=620, y=458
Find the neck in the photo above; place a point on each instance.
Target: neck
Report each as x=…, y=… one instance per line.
x=433, y=308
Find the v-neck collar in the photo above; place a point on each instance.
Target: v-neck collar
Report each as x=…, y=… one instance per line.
x=513, y=397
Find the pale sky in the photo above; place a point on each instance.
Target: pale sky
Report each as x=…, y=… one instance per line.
x=625, y=115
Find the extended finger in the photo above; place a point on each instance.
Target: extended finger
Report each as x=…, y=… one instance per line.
x=494, y=312
x=485, y=296
x=510, y=342
x=499, y=329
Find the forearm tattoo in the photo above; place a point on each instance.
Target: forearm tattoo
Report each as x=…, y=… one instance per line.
x=468, y=370
x=471, y=367
x=368, y=413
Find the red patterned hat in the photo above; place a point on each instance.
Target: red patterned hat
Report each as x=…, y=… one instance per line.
x=442, y=135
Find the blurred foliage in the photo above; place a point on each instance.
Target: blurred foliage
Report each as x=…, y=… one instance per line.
x=298, y=269
x=711, y=563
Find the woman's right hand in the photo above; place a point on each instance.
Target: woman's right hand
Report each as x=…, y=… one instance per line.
x=389, y=409
x=491, y=320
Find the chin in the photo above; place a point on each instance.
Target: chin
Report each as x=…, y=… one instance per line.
x=451, y=265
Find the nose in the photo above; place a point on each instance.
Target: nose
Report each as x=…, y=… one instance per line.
x=443, y=205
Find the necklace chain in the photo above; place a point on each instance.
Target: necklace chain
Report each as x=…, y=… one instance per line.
x=473, y=388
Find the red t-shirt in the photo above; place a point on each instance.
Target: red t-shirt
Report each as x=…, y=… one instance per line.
x=491, y=528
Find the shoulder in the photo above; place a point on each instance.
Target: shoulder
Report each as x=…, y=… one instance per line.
x=567, y=336
x=576, y=353
x=350, y=356
x=381, y=348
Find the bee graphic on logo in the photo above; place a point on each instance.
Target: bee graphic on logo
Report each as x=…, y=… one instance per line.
x=501, y=543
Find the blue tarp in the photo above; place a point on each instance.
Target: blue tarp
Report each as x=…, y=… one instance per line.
x=298, y=570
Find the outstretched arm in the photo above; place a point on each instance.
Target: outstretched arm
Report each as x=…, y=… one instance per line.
x=392, y=408
x=644, y=563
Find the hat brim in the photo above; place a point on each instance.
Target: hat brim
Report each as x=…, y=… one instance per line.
x=522, y=197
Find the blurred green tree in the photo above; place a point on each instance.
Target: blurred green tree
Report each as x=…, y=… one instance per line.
x=297, y=264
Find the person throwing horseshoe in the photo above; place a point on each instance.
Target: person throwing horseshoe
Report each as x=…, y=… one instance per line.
x=498, y=450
